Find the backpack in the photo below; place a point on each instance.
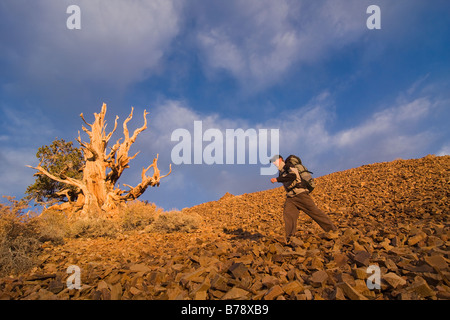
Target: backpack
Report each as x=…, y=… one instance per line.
x=306, y=176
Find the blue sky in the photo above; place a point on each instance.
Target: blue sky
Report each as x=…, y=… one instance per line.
x=340, y=94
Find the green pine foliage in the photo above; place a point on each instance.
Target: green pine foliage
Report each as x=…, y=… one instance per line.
x=60, y=158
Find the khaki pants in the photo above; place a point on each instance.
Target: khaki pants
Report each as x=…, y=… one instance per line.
x=304, y=202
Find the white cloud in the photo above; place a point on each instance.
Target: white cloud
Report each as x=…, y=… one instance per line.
x=265, y=38
x=444, y=151
x=21, y=127
x=124, y=40
x=120, y=42
x=387, y=123
x=22, y=134
x=257, y=44
x=15, y=175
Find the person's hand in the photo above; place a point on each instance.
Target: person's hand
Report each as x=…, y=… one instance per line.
x=273, y=180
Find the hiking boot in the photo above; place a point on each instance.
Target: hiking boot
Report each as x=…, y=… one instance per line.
x=287, y=241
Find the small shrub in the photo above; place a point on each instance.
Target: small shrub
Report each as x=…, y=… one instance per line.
x=19, y=244
x=93, y=228
x=53, y=226
x=172, y=221
x=137, y=215
x=18, y=255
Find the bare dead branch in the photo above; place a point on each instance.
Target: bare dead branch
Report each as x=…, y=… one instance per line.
x=170, y=171
x=111, y=133
x=125, y=128
x=154, y=180
x=131, y=158
x=139, y=130
x=82, y=117
x=66, y=180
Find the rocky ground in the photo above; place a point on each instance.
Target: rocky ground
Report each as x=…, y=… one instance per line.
x=394, y=216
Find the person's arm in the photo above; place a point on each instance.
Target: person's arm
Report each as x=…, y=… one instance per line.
x=290, y=177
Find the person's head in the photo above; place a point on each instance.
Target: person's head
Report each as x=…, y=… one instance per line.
x=278, y=161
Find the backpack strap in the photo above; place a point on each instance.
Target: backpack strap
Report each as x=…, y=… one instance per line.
x=297, y=182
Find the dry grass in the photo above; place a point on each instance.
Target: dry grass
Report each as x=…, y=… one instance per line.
x=52, y=226
x=93, y=228
x=137, y=215
x=176, y=221
x=21, y=235
x=19, y=238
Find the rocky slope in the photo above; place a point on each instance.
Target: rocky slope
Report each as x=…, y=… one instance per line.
x=394, y=216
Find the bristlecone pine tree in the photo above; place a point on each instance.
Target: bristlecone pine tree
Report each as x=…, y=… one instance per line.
x=97, y=191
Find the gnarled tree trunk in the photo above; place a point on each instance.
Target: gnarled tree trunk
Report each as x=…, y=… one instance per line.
x=97, y=189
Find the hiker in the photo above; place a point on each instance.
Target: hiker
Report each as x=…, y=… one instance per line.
x=297, y=198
